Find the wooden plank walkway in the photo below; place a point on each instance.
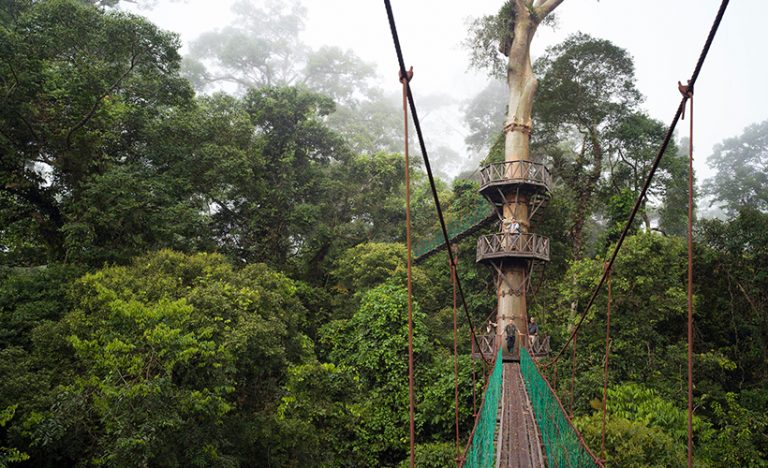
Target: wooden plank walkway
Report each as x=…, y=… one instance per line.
x=519, y=436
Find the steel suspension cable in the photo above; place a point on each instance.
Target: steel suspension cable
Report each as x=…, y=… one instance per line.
x=649, y=178
x=428, y=167
x=474, y=393
x=455, y=363
x=411, y=410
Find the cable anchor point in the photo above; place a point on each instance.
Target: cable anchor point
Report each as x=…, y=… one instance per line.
x=408, y=75
x=687, y=91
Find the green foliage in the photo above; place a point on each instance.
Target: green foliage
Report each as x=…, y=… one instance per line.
x=635, y=402
x=644, y=428
x=618, y=208
x=731, y=270
x=374, y=341
x=367, y=265
x=649, y=303
x=631, y=443
x=29, y=297
x=127, y=209
x=634, y=143
x=490, y=37
x=433, y=455
x=435, y=410
x=321, y=398
x=165, y=347
x=267, y=200
x=741, y=179
x=80, y=84
x=262, y=48
x=585, y=82
x=9, y=455
x=741, y=436
x=587, y=89
x=673, y=212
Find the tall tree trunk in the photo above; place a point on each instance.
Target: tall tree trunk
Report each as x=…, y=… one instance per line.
x=522, y=88
x=520, y=79
x=585, y=194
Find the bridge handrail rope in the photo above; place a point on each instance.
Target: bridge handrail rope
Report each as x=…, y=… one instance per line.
x=427, y=166
x=563, y=443
x=605, y=366
x=456, y=363
x=480, y=451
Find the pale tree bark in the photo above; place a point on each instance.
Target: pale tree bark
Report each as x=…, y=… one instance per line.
x=520, y=78
x=522, y=89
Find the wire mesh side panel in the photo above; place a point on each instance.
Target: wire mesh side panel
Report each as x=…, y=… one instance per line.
x=481, y=452
x=563, y=444
x=480, y=212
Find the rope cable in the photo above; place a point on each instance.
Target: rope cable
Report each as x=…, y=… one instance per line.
x=411, y=409
x=455, y=362
x=605, y=369
x=690, y=284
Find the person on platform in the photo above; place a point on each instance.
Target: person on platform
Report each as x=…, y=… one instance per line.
x=533, y=334
x=510, y=230
x=514, y=227
x=511, y=331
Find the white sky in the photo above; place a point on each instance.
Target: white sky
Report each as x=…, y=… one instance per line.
x=663, y=36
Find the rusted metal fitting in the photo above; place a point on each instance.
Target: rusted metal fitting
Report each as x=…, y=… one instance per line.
x=408, y=75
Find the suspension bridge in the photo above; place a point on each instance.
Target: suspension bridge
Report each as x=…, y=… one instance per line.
x=520, y=421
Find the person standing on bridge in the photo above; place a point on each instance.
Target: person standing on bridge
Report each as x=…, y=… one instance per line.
x=511, y=331
x=533, y=334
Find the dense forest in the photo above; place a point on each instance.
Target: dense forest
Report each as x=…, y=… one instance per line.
x=203, y=258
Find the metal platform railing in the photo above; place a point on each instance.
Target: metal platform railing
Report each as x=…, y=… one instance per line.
x=506, y=245
x=520, y=172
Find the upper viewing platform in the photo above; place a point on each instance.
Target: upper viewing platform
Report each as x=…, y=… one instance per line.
x=527, y=176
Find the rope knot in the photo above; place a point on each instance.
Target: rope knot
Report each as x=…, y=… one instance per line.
x=687, y=92
x=408, y=75
x=685, y=89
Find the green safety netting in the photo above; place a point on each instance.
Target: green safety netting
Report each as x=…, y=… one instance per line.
x=481, y=453
x=479, y=213
x=562, y=442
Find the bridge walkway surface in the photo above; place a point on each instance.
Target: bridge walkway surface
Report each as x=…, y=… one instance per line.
x=520, y=442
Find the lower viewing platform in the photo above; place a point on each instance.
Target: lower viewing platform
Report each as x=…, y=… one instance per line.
x=489, y=345
x=506, y=245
